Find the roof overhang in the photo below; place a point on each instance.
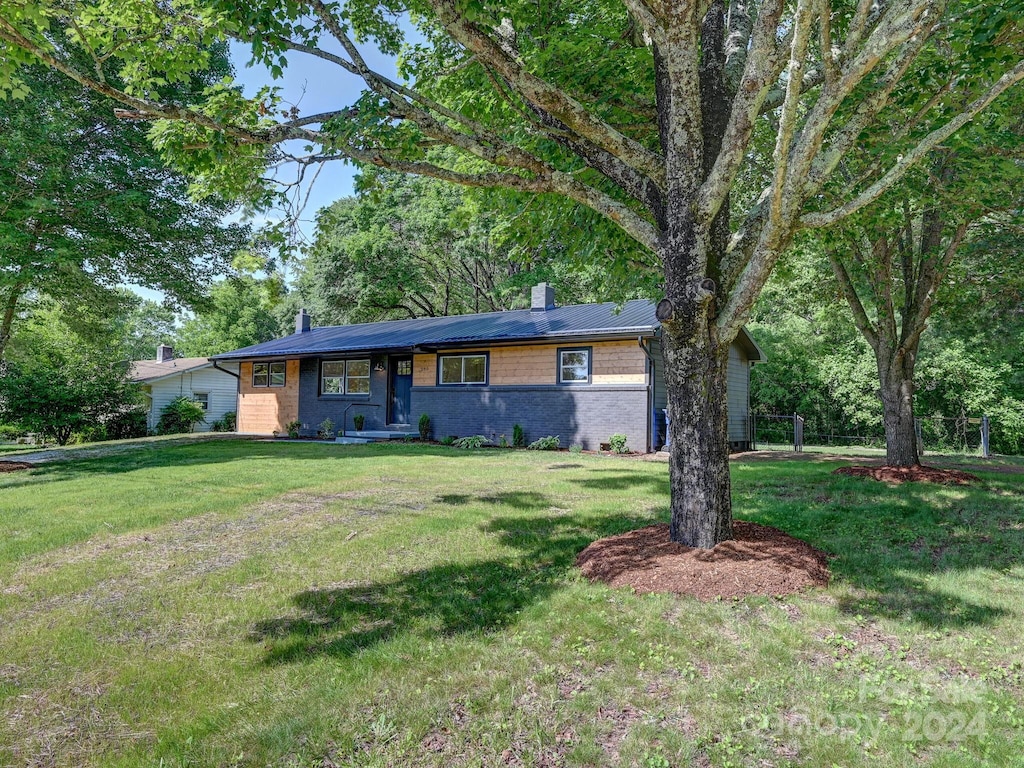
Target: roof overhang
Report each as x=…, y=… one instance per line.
x=754, y=353
x=431, y=347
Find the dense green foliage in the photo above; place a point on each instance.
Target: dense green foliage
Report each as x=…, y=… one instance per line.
x=242, y=310
x=821, y=367
x=411, y=247
x=180, y=416
x=60, y=384
x=89, y=206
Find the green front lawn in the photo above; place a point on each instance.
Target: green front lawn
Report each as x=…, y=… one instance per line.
x=246, y=603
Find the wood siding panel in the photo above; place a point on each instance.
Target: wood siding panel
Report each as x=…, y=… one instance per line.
x=264, y=410
x=613, y=363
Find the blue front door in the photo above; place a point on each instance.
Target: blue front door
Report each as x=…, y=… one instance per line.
x=400, y=375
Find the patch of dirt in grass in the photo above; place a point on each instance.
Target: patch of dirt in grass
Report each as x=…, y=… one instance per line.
x=916, y=474
x=621, y=719
x=14, y=466
x=759, y=561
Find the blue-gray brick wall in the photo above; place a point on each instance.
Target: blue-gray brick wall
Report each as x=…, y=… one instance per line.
x=585, y=415
x=314, y=408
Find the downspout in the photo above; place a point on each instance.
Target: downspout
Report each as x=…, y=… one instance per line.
x=652, y=423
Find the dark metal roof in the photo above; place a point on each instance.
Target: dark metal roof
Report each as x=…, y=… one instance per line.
x=635, y=318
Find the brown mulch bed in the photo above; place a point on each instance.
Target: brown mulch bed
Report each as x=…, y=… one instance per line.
x=14, y=466
x=918, y=474
x=758, y=561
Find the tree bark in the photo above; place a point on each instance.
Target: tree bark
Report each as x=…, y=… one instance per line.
x=695, y=374
x=896, y=374
x=7, y=316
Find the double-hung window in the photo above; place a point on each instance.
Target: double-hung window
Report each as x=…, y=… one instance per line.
x=462, y=369
x=574, y=366
x=268, y=374
x=345, y=377
x=203, y=398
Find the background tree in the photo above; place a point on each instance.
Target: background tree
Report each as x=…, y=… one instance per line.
x=647, y=112
x=891, y=259
x=406, y=246
x=820, y=366
x=59, y=383
x=243, y=310
x=88, y=205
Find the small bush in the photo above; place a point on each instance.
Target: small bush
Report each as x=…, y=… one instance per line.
x=450, y=440
x=472, y=442
x=359, y=421
x=576, y=449
x=293, y=427
x=424, y=427
x=226, y=423
x=502, y=441
x=11, y=432
x=518, y=438
x=618, y=443
x=325, y=430
x=180, y=416
x=549, y=443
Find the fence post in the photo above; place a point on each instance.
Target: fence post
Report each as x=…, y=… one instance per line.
x=798, y=433
x=984, y=437
x=920, y=438
x=753, y=431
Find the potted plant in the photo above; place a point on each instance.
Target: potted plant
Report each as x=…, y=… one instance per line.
x=358, y=421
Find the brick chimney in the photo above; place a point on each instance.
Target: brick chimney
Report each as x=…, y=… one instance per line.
x=542, y=298
x=164, y=353
x=302, y=321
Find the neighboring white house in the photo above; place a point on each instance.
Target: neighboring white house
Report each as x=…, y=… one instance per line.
x=168, y=377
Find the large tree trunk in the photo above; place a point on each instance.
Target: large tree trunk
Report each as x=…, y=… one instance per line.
x=897, y=393
x=695, y=377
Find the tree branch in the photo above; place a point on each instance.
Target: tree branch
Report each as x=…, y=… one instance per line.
x=860, y=315
x=905, y=162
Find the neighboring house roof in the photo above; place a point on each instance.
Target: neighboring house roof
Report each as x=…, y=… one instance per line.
x=149, y=371
x=634, y=318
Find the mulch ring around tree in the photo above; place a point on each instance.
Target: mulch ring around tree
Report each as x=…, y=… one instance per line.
x=14, y=466
x=916, y=474
x=758, y=561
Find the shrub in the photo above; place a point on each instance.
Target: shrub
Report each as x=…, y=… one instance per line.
x=358, y=421
x=325, y=430
x=450, y=440
x=126, y=424
x=549, y=443
x=576, y=448
x=225, y=423
x=10, y=432
x=502, y=441
x=179, y=416
x=293, y=428
x=471, y=442
x=618, y=443
x=424, y=427
x=518, y=438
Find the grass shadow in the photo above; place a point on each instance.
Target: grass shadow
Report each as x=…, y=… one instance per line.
x=909, y=551
x=442, y=600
